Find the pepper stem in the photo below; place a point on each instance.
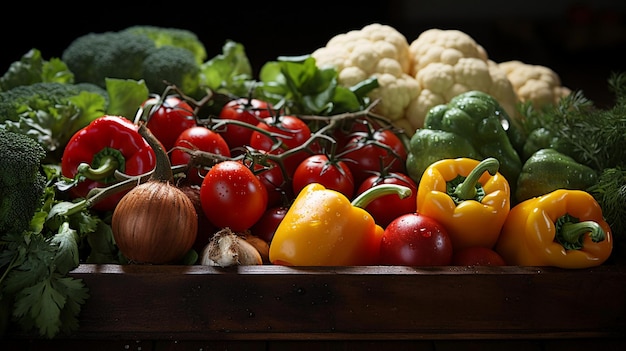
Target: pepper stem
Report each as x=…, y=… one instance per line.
x=106, y=169
x=571, y=234
x=375, y=192
x=466, y=190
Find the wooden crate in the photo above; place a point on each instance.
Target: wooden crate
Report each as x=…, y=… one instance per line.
x=255, y=307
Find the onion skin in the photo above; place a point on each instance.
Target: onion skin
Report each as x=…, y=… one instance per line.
x=154, y=223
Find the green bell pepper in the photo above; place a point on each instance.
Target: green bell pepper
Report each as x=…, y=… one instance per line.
x=471, y=125
x=430, y=145
x=547, y=170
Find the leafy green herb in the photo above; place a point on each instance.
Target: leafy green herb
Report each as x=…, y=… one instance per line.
x=36, y=262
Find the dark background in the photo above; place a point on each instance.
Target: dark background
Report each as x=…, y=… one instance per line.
x=581, y=40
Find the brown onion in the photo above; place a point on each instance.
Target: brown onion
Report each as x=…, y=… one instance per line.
x=155, y=222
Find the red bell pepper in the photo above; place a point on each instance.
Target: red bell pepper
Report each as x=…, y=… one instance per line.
x=106, y=145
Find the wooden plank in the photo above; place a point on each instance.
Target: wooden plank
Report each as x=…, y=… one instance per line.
x=351, y=303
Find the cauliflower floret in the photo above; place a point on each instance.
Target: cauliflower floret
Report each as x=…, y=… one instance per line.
x=537, y=84
x=375, y=50
x=447, y=63
x=445, y=46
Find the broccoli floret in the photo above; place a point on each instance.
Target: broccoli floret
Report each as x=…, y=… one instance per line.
x=171, y=65
x=32, y=68
x=95, y=56
x=51, y=113
x=166, y=36
x=22, y=183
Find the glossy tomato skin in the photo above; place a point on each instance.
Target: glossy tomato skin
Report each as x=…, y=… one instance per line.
x=250, y=111
x=366, y=157
x=291, y=130
x=266, y=226
x=197, y=138
x=232, y=196
x=388, y=207
x=168, y=119
x=318, y=168
x=415, y=240
x=477, y=256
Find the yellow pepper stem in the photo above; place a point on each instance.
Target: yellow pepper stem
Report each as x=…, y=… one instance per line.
x=570, y=232
x=375, y=192
x=466, y=190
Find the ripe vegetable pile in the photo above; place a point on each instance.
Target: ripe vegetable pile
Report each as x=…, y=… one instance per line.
x=369, y=151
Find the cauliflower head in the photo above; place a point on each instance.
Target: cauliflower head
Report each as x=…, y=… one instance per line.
x=380, y=51
x=539, y=85
x=446, y=63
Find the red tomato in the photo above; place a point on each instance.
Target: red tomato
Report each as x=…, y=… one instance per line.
x=367, y=153
x=291, y=130
x=169, y=118
x=232, y=196
x=318, y=168
x=266, y=226
x=278, y=189
x=477, y=256
x=415, y=240
x=387, y=208
x=197, y=138
x=250, y=111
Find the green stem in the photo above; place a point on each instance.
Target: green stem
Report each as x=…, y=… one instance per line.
x=107, y=167
x=375, y=192
x=467, y=189
x=571, y=234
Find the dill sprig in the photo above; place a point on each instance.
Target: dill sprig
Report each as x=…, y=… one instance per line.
x=592, y=136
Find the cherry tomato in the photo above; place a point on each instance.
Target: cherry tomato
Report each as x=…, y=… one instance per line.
x=318, y=168
x=387, y=208
x=368, y=153
x=477, y=256
x=232, y=196
x=278, y=189
x=291, y=130
x=266, y=226
x=250, y=111
x=168, y=118
x=415, y=240
x=197, y=138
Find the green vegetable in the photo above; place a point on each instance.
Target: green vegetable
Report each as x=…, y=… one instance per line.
x=548, y=170
x=167, y=36
x=430, y=145
x=170, y=65
x=32, y=68
x=229, y=72
x=138, y=52
x=480, y=121
x=610, y=192
x=93, y=57
x=21, y=181
x=299, y=86
x=51, y=113
x=35, y=261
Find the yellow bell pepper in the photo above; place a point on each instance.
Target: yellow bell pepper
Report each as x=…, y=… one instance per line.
x=323, y=228
x=564, y=228
x=470, y=198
